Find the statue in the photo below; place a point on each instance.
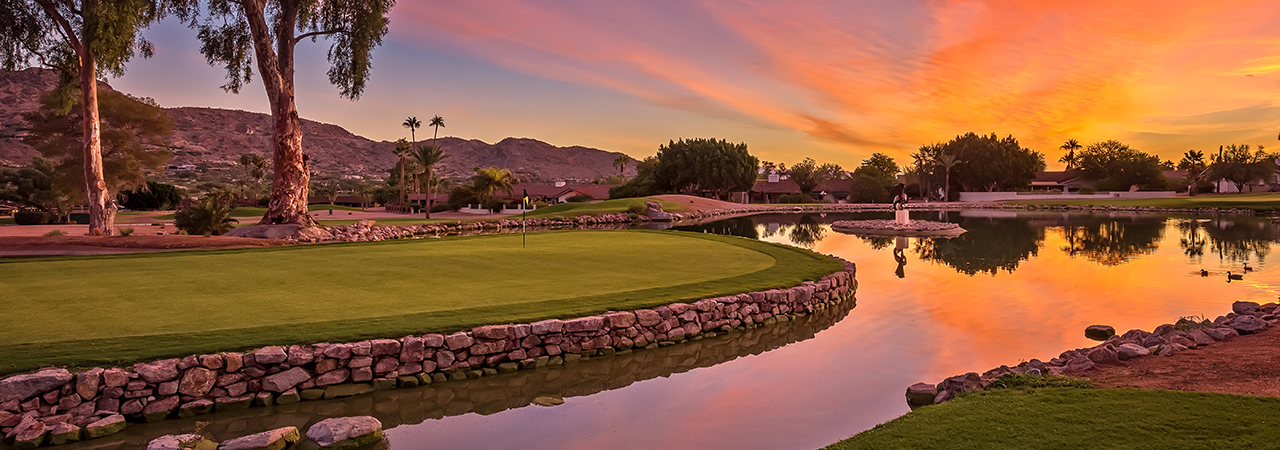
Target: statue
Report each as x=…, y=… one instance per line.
x=899, y=196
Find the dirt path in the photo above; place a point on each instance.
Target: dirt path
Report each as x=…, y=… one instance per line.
x=1245, y=365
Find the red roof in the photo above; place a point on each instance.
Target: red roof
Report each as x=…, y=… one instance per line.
x=790, y=187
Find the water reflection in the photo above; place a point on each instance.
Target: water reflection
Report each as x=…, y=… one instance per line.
x=1113, y=241
x=492, y=395
x=988, y=245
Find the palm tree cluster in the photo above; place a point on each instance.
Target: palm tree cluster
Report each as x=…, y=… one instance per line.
x=420, y=160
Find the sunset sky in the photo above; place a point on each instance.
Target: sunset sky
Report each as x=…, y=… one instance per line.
x=833, y=80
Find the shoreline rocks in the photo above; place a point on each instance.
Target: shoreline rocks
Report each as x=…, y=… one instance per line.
x=1165, y=340
x=96, y=402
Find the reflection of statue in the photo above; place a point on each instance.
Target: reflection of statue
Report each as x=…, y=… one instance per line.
x=899, y=196
x=900, y=257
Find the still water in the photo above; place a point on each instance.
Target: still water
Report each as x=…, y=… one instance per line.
x=1016, y=286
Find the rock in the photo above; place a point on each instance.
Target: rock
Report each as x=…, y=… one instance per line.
x=1103, y=355
x=333, y=377
x=1245, y=308
x=487, y=347
x=386, y=364
x=158, y=372
x=232, y=361
x=384, y=347
x=283, y=381
x=299, y=355
x=1128, y=351
x=547, y=327
x=288, y=397
x=1199, y=337
x=29, y=434
x=458, y=341
x=115, y=377
x=276, y=439
x=412, y=349
x=653, y=210
x=88, y=383
x=1220, y=334
x=160, y=409
x=921, y=394
x=22, y=387
x=1078, y=364
x=1248, y=324
x=105, y=427
x=593, y=323
x=1099, y=332
x=620, y=320
x=270, y=355
x=195, y=408
x=63, y=433
x=961, y=383
x=492, y=332
x=197, y=382
x=347, y=390
x=548, y=400
x=181, y=442
x=346, y=432
x=233, y=403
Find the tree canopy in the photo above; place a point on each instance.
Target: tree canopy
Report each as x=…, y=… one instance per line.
x=980, y=162
x=1240, y=166
x=690, y=166
x=808, y=174
x=1116, y=166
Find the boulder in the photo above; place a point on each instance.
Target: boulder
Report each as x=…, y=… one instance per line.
x=115, y=377
x=283, y=381
x=22, y=387
x=1129, y=351
x=158, y=372
x=195, y=408
x=160, y=409
x=333, y=377
x=458, y=341
x=1099, y=332
x=197, y=382
x=593, y=323
x=105, y=427
x=88, y=383
x=921, y=394
x=181, y=442
x=347, y=390
x=1199, y=337
x=1103, y=355
x=491, y=332
x=276, y=439
x=270, y=355
x=547, y=327
x=1248, y=324
x=653, y=210
x=384, y=347
x=346, y=432
x=1078, y=364
x=29, y=434
x=63, y=433
x=961, y=383
x=1220, y=334
x=413, y=349
x=1245, y=308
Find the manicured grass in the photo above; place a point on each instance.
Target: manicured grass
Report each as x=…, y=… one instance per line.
x=605, y=207
x=6, y=221
x=256, y=211
x=1060, y=418
x=109, y=309
x=1258, y=202
x=326, y=207
x=389, y=221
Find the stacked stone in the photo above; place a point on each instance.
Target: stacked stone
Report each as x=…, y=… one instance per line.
x=54, y=405
x=1165, y=340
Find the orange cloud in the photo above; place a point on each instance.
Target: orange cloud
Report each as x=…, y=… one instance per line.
x=890, y=76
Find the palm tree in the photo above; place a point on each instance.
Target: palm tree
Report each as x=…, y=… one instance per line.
x=1193, y=163
x=946, y=162
x=436, y=122
x=402, y=150
x=428, y=156
x=486, y=181
x=412, y=123
x=621, y=163
x=1070, y=158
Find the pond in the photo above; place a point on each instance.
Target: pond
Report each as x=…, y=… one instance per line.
x=1016, y=286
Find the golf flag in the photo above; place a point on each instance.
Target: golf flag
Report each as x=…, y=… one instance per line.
x=526, y=198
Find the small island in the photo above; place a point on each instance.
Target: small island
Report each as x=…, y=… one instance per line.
x=907, y=228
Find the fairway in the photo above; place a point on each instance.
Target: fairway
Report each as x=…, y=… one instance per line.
x=1258, y=202
x=1060, y=418
x=132, y=307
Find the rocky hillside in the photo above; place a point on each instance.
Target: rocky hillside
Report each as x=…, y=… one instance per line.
x=211, y=138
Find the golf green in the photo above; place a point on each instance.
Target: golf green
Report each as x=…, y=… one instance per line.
x=118, y=308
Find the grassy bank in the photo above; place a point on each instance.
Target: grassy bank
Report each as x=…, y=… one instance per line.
x=606, y=207
x=1258, y=202
x=110, y=309
x=1081, y=418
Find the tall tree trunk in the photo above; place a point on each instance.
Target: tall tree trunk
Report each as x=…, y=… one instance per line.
x=102, y=211
x=289, y=188
x=430, y=185
x=402, y=181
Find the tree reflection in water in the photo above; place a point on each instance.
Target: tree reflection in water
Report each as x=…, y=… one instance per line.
x=806, y=232
x=1192, y=239
x=988, y=245
x=1113, y=241
x=1237, y=239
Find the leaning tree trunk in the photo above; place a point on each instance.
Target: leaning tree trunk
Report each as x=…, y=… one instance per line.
x=102, y=211
x=289, y=188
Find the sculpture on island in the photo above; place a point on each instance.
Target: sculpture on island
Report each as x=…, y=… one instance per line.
x=899, y=196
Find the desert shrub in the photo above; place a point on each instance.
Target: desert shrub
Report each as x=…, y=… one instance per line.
x=1087, y=190
x=796, y=198
x=55, y=233
x=126, y=231
x=580, y=198
x=31, y=217
x=212, y=215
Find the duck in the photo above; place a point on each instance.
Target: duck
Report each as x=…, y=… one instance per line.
x=1204, y=273
x=1231, y=276
x=1247, y=268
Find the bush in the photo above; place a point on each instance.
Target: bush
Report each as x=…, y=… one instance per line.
x=1020, y=381
x=494, y=204
x=796, y=198
x=580, y=198
x=126, y=231
x=55, y=233
x=440, y=207
x=209, y=216
x=157, y=196
x=637, y=208
x=866, y=189
x=31, y=217
x=1087, y=191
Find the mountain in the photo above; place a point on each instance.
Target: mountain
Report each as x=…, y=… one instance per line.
x=214, y=139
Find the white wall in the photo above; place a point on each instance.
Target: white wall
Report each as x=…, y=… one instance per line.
x=1001, y=196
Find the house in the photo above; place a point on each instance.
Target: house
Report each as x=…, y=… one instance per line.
x=7, y=208
x=1264, y=184
x=771, y=190
x=1064, y=181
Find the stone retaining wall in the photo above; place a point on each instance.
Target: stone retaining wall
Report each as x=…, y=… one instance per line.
x=1164, y=340
x=95, y=402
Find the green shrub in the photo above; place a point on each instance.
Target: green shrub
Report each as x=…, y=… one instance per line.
x=494, y=204
x=31, y=217
x=211, y=215
x=157, y=196
x=1020, y=381
x=126, y=231
x=796, y=198
x=637, y=208
x=580, y=198
x=866, y=189
x=55, y=233
x=1192, y=322
x=1087, y=190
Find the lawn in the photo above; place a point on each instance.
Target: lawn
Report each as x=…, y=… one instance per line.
x=6, y=221
x=1258, y=202
x=389, y=221
x=605, y=207
x=1060, y=418
x=111, y=309
x=256, y=211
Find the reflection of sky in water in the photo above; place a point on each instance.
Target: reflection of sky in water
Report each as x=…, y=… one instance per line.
x=1037, y=281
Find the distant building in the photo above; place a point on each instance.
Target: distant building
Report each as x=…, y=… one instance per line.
x=771, y=190
x=1064, y=181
